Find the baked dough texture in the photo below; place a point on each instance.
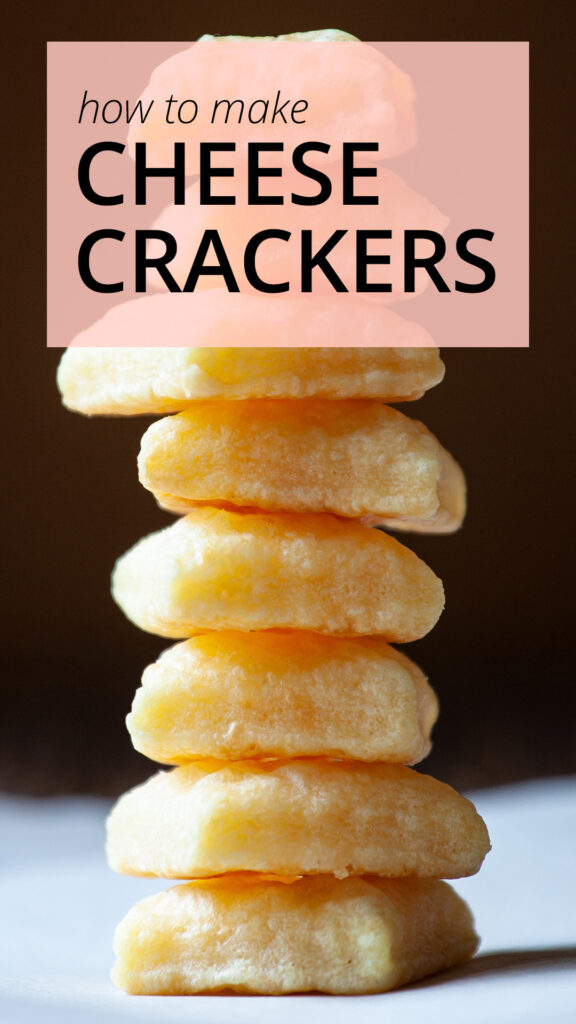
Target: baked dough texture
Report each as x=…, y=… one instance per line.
x=144, y=378
x=295, y=817
x=353, y=458
x=354, y=91
x=315, y=854
x=251, y=695
x=348, y=937
x=215, y=569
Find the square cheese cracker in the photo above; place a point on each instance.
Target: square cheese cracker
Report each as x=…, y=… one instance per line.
x=348, y=937
x=308, y=816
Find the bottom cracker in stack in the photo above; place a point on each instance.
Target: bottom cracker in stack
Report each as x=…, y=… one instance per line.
x=271, y=936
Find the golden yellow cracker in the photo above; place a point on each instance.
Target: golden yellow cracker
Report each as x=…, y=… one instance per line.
x=348, y=937
x=351, y=92
x=353, y=458
x=241, y=695
x=144, y=378
x=295, y=817
x=215, y=569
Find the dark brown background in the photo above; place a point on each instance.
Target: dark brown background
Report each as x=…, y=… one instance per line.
x=502, y=656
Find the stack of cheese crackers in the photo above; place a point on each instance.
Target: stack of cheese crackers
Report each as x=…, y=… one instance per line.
x=311, y=853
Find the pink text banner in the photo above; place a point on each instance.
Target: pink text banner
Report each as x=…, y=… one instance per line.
x=363, y=179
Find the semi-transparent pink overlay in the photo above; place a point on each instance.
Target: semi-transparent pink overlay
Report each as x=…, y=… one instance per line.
x=451, y=123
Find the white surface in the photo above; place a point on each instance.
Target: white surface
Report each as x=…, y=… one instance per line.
x=59, y=905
